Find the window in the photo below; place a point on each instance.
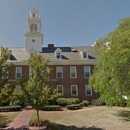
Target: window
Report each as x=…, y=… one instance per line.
x=85, y=55
x=74, y=90
x=60, y=89
x=88, y=90
x=47, y=71
x=59, y=73
x=86, y=71
x=18, y=87
x=18, y=72
x=5, y=73
x=57, y=55
x=33, y=28
x=73, y=73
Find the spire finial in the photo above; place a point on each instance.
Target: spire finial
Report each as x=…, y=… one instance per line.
x=34, y=5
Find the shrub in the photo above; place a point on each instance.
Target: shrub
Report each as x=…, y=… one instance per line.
x=96, y=102
x=51, y=107
x=84, y=103
x=35, y=122
x=47, y=123
x=73, y=106
x=67, y=101
x=10, y=108
x=3, y=122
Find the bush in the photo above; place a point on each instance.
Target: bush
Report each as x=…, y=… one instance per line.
x=67, y=101
x=51, y=107
x=10, y=108
x=84, y=103
x=96, y=102
x=47, y=123
x=3, y=122
x=73, y=106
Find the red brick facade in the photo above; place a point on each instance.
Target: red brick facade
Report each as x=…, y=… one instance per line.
x=66, y=80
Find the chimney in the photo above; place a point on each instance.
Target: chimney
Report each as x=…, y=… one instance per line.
x=50, y=45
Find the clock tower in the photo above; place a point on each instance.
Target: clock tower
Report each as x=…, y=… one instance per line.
x=33, y=34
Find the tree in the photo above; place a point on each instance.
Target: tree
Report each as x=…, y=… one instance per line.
x=36, y=91
x=111, y=75
x=5, y=92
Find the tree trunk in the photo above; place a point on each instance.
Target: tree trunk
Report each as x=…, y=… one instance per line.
x=38, y=118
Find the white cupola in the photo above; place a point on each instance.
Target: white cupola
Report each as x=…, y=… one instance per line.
x=33, y=34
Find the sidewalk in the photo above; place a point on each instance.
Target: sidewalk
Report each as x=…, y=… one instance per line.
x=21, y=121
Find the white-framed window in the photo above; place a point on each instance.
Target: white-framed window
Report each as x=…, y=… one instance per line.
x=84, y=55
x=87, y=71
x=18, y=73
x=59, y=72
x=74, y=90
x=18, y=87
x=60, y=89
x=58, y=53
x=88, y=90
x=47, y=71
x=73, y=73
x=5, y=71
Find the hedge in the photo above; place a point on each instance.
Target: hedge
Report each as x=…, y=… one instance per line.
x=10, y=108
x=73, y=106
x=67, y=101
x=51, y=107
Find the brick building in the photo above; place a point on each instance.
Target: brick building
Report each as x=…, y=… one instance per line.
x=72, y=66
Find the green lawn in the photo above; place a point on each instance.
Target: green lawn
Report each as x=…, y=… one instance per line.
x=96, y=118
x=9, y=115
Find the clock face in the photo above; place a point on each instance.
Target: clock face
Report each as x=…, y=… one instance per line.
x=33, y=40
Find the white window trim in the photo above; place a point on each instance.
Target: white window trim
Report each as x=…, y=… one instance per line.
x=89, y=72
x=16, y=73
x=62, y=89
x=76, y=90
x=86, y=54
x=56, y=55
x=75, y=71
x=57, y=72
x=86, y=91
x=3, y=69
x=17, y=87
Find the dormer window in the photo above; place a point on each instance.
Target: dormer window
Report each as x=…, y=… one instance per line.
x=84, y=54
x=58, y=53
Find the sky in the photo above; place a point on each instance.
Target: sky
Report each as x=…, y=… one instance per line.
x=64, y=22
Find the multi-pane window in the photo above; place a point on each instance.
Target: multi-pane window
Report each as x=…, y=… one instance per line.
x=84, y=54
x=60, y=89
x=47, y=71
x=88, y=90
x=18, y=72
x=74, y=90
x=58, y=55
x=87, y=71
x=18, y=87
x=5, y=73
x=59, y=73
x=73, y=73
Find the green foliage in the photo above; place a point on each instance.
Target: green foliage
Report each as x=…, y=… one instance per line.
x=84, y=103
x=112, y=68
x=74, y=106
x=3, y=122
x=10, y=108
x=67, y=101
x=4, y=91
x=36, y=91
x=51, y=107
x=47, y=123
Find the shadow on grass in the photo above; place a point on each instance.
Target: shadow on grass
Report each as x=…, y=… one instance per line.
x=63, y=127
x=125, y=114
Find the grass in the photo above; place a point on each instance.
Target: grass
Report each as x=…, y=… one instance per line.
x=96, y=118
x=9, y=115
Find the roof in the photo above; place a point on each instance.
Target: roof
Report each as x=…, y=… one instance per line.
x=19, y=54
